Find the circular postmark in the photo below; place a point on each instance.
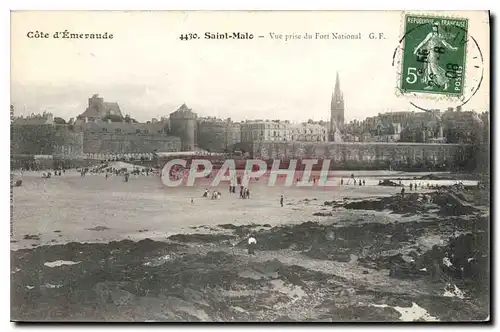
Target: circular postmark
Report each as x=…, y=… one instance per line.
x=439, y=64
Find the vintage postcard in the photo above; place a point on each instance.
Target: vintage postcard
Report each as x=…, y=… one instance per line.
x=250, y=166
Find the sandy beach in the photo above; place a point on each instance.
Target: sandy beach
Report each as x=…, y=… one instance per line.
x=325, y=244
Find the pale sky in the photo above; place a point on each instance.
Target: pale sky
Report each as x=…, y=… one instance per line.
x=150, y=72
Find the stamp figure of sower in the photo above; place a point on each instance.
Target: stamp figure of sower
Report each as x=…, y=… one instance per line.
x=432, y=71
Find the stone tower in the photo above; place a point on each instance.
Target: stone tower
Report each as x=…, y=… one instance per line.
x=97, y=103
x=337, y=112
x=183, y=124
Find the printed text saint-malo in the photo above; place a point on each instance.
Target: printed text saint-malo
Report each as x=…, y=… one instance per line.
x=229, y=35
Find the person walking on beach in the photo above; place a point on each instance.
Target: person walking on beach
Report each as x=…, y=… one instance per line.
x=364, y=183
x=352, y=177
x=281, y=200
x=342, y=181
x=252, y=243
x=411, y=186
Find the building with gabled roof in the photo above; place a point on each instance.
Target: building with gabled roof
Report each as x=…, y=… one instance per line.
x=99, y=109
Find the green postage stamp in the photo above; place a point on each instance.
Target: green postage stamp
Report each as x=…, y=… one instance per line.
x=434, y=54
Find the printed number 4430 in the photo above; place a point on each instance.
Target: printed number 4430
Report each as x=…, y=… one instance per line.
x=411, y=77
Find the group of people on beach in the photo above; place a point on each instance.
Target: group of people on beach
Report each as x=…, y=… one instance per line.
x=48, y=175
x=414, y=186
x=354, y=182
x=108, y=171
x=244, y=193
x=314, y=179
x=214, y=195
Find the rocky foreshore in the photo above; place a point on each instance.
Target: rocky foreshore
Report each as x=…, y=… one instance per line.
x=435, y=267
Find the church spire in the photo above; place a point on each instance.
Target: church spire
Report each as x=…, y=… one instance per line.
x=337, y=92
x=337, y=96
x=336, y=112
